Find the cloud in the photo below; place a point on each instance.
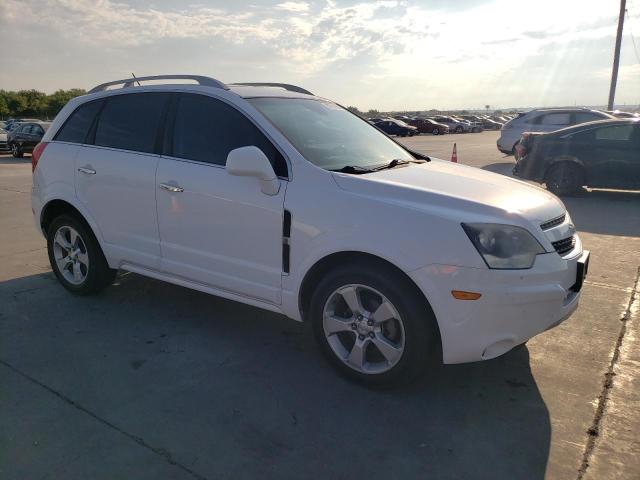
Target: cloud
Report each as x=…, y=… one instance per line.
x=293, y=6
x=372, y=53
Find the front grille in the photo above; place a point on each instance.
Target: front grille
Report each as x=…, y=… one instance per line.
x=554, y=222
x=565, y=245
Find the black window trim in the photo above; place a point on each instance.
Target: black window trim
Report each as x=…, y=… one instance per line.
x=167, y=144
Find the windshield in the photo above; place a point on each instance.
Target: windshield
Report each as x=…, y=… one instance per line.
x=328, y=135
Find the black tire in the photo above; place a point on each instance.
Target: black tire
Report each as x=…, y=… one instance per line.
x=98, y=274
x=435, y=131
x=421, y=335
x=458, y=129
x=16, y=151
x=564, y=178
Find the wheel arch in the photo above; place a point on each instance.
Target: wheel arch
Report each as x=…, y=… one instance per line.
x=568, y=159
x=334, y=260
x=57, y=206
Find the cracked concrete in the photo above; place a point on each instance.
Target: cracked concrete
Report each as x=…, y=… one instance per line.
x=149, y=380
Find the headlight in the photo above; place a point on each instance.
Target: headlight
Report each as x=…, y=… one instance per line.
x=503, y=246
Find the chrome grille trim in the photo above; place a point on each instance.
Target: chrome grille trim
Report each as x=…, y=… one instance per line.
x=565, y=245
x=554, y=222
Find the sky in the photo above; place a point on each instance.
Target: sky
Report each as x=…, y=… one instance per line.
x=384, y=54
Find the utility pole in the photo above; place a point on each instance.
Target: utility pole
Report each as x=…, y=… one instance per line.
x=616, y=55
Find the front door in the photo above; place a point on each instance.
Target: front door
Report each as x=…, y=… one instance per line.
x=217, y=229
x=616, y=156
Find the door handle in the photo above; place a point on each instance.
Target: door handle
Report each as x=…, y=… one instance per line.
x=88, y=171
x=171, y=188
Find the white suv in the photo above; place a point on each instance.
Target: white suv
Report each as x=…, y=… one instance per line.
x=268, y=195
x=543, y=120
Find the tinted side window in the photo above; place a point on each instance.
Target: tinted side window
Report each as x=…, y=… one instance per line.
x=37, y=130
x=76, y=128
x=620, y=133
x=206, y=130
x=555, y=119
x=131, y=122
x=582, y=117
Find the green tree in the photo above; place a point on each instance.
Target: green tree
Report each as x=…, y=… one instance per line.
x=32, y=103
x=356, y=111
x=4, y=107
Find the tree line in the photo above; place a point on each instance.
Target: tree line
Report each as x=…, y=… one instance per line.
x=34, y=104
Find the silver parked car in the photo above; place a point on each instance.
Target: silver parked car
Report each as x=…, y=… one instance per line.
x=544, y=120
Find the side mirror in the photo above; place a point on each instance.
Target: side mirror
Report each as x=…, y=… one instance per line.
x=252, y=162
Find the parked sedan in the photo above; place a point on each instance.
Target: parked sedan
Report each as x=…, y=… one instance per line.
x=25, y=136
x=396, y=127
x=426, y=125
x=602, y=154
x=454, y=125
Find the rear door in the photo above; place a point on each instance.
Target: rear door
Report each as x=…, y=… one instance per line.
x=216, y=229
x=115, y=175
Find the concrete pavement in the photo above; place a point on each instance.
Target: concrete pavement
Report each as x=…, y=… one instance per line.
x=150, y=380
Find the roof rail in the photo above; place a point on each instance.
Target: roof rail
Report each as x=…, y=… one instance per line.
x=129, y=82
x=286, y=86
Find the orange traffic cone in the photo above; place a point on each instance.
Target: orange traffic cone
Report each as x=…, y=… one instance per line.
x=454, y=154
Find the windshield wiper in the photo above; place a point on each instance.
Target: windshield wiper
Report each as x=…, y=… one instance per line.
x=354, y=169
x=396, y=162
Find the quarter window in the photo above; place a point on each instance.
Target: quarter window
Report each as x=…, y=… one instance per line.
x=130, y=122
x=206, y=130
x=76, y=128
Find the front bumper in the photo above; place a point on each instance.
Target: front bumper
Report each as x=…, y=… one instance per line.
x=515, y=304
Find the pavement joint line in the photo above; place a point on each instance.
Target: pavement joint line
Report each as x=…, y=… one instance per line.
x=20, y=253
x=12, y=190
x=165, y=454
x=606, y=285
x=607, y=384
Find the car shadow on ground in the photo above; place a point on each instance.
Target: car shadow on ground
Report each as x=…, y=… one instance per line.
x=231, y=390
x=608, y=212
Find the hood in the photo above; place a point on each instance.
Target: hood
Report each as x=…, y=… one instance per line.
x=449, y=185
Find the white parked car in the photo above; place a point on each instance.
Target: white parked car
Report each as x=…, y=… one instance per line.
x=455, y=125
x=544, y=120
x=268, y=195
x=4, y=146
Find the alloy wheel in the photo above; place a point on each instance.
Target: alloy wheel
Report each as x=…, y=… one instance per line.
x=71, y=256
x=364, y=329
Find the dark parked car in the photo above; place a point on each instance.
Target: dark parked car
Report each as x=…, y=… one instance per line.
x=25, y=136
x=396, y=127
x=426, y=125
x=602, y=154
